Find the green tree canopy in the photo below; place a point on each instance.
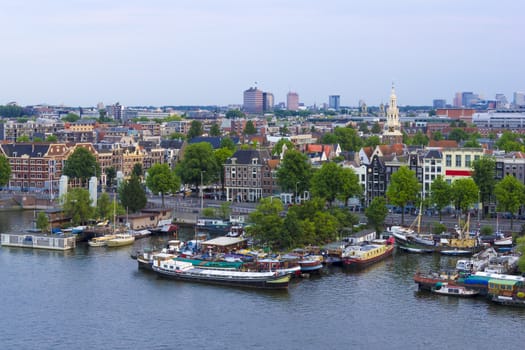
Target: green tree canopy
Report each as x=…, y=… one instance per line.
x=221, y=156
x=111, y=174
x=23, y=138
x=235, y=114
x=70, y=117
x=484, y=176
x=249, y=128
x=11, y=111
x=227, y=142
x=376, y=213
x=105, y=207
x=330, y=182
x=419, y=139
x=42, y=222
x=5, y=170
x=177, y=136
x=198, y=157
x=521, y=248
x=294, y=171
x=346, y=137
x=132, y=195
x=510, y=194
x=403, y=189
x=195, y=129
x=215, y=130
x=437, y=135
x=372, y=141
x=161, y=179
x=278, y=147
x=81, y=164
x=458, y=135
x=441, y=195
x=510, y=141
x=137, y=170
x=363, y=127
x=77, y=206
x=51, y=138
x=266, y=224
x=376, y=128
x=464, y=193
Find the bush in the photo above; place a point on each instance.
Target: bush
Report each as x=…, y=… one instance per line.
x=438, y=229
x=486, y=230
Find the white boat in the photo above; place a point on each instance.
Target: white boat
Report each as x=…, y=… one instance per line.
x=444, y=288
x=505, y=241
x=101, y=241
x=456, y=252
x=121, y=239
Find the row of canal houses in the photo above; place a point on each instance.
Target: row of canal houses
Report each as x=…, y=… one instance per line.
x=251, y=174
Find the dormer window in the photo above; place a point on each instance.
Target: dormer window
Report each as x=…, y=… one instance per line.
x=254, y=161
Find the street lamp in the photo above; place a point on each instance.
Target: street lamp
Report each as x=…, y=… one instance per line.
x=297, y=183
x=202, y=192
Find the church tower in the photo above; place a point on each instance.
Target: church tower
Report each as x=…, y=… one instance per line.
x=392, y=132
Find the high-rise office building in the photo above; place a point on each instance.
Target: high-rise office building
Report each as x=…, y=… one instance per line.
x=253, y=100
x=268, y=102
x=468, y=98
x=458, y=102
x=292, y=101
x=439, y=103
x=334, y=102
x=519, y=99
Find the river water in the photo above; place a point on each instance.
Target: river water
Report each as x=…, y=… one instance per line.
x=96, y=298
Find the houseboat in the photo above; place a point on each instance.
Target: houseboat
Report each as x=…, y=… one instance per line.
x=185, y=271
x=358, y=257
x=39, y=241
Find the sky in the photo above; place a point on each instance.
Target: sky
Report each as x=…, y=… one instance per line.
x=207, y=52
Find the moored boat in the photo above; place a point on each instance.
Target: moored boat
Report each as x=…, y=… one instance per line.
x=361, y=256
x=185, y=271
x=100, y=241
x=311, y=264
x=453, y=290
x=121, y=239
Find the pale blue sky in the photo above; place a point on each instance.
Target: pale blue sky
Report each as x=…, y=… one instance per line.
x=183, y=52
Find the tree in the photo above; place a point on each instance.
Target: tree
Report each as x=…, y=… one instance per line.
x=52, y=138
x=104, y=209
x=177, y=136
x=376, y=213
x=403, y=189
x=81, y=165
x=77, y=206
x=70, y=117
x=235, y=114
x=266, y=225
x=458, y=135
x=227, y=142
x=363, y=127
x=199, y=161
x=420, y=139
x=437, y=136
x=42, y=222
x=510, y=193
x=221, y=156
x=472, y=143
x=137, y=170
x=225, y=210
x=328, y=182
x=278, y=147
x=349, y=185
x=111, y=174
x=376, y=128
x=215, y=130
x=510, y=141
x=23, y=138
x=37, y=139
x=441, y=194
x=195, y=129
x=249, y=128
x=348, y=139
x=521, y=248
x=132, y=195
x=464, y=194
x=484, y=176
x=294, y=172
x=372, y=141
x=5, y=170
x=161, y=179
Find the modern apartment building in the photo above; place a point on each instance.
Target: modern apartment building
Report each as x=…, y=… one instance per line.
x=292, y=101
x=253, y=100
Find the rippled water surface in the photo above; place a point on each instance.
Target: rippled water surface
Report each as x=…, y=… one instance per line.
x=96, y=298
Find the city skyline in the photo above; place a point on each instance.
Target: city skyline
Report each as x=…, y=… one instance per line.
x=207, y=53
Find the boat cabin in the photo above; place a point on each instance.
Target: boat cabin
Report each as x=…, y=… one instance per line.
x=505, y=288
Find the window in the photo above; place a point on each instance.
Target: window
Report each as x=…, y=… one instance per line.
x=449, y=160
x=458, y=160
x=467, y=160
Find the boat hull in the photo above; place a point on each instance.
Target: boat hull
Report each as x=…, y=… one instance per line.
x=120, y=242
x=357, y=264
x=265, y=282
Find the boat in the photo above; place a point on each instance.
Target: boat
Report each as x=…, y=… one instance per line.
x=185, y=271
x=165, y=227
x=281, y=266
x=146, y=258
x=453, y=290
x=214, y=226
x=507, y=292
x=364, y=255
x=503, y=241
x=311, y=263
x=100, y=241
x=121, y=239
x=140, y=233
x=456, y=252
